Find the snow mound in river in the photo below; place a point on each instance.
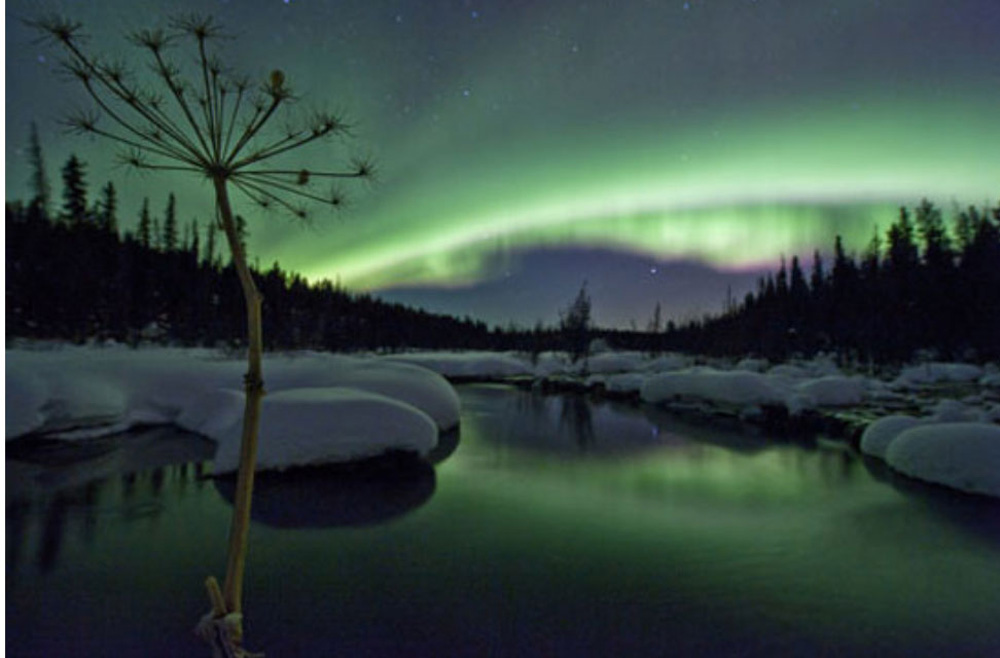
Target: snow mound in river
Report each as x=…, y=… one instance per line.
x=307, y=426
x=964, y=456
x=319, y=407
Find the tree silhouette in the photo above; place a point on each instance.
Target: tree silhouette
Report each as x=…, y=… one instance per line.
x=74, y=191
x=575, y=325
x=107, y=213
x=170, y=224
x=145, y=224
x=39, y=179
x=204, y=120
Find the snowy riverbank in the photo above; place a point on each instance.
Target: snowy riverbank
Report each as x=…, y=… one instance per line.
x=320, y=408
x=333, y=408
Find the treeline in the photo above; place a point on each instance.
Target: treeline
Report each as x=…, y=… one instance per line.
x=77, y=280
x=920, y=287
x=73, y=275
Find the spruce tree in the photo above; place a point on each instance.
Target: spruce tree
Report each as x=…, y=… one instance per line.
x=170, y=225
x=575, y=326
x=157, y=235
x=194, y=248
x=109, y=207
x=74, y=191
x=145, y=225
x=817, y=278
x=210, y=244
x=39, y=181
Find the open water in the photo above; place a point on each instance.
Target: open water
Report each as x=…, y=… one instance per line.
x=552, y=526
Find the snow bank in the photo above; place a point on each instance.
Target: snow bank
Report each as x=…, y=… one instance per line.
x=499, y=365
x=752, y=365
x=720, y=386
x=878, y=435
x=624, y=383
x=778, y=387
x=109, y=390
x=668, y=362
x=953, y=411
x=306, y=426
x=932, y=373
x=964, y=456
x=833, y=390
x=615, y=362
x=467, y=364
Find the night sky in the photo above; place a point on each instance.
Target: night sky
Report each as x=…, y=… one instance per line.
x=661, y=151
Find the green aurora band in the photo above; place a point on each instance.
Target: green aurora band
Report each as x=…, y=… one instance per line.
x=729, y=133
x=735, y=191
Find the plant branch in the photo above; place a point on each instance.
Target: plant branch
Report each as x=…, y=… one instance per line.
x=277, y=148
x=254, y=127
x=178, y=94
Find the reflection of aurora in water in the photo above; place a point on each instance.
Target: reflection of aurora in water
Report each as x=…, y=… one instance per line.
x=540, y=538
x=570, y=438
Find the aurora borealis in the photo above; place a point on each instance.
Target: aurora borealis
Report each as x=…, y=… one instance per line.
x=654, y=135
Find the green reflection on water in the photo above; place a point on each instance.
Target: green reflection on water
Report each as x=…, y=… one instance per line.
x=553, y=529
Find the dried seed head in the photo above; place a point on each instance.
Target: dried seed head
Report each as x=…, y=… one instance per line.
x=277, y=80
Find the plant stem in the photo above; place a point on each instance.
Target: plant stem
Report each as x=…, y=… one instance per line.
x=254, y=387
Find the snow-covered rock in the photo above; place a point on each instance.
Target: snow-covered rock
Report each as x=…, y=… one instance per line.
x=553, y=363
x=720, y=386
x=615, y=362
x=964, y=456
x=418, y=387
x=667, y=363
x=878, y=435
x=788, y=370
x=307, y=426
x=932, y=373
x=752, y=365
x=85, y=392
x=624, y=383
x=953, y=411
x=23, y=402
x=467, y=364
x=833, y=390
x=790, y=387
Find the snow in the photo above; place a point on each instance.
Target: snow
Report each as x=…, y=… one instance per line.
x=324, y=407
x=629, y=382
x=788, y=370
x=934, y=372
x=792, y=389
x=668, y=362
x=878, y=435
x=752, y=365
x=953, y=411
x=721, y=386
x=834, y=390
x=964, y=456
x=615, y=362
x=467, y=364
x=318, y=401
x=306, y=426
